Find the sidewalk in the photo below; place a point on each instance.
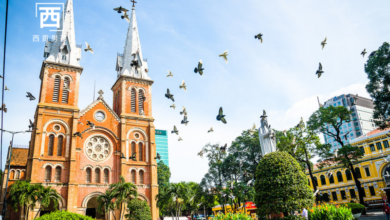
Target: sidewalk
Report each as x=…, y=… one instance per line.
x=375, y=214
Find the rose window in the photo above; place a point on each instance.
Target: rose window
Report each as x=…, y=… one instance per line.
x=97, y=148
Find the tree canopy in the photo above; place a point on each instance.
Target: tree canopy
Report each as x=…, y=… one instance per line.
x=138, y=210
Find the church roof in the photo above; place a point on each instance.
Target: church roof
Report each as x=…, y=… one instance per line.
x=65, y=41
x=131, y=62
x=19, y=156
x=97, y=101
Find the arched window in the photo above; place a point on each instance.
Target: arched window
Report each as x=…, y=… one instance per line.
x=323, y=181
x=141, y=102
x=133, y=149
x=12, y=175
x=348, y=174
x=331, y=179
x=17, y=174
x=65, y=92
x=97, y=175
x=56, y=89
x=106, y=171
x=59, y=145
x=339, y=177
x=357, y=172
x=140, y=152
x=57, y=174
x=133, y=176
x=133, y=100
x=48, y=174
x=88, y=175
x=50, y=145
x=315, y=181
x=141, y=177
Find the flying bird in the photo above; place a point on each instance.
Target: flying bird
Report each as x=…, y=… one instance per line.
x=223, y=149
x=88, y=48
x=90, y=124
x=78, y=134
x=175, y=130
x=183, y=86
x=66, y=87
x=120, y=9
x=31, y=126
x=173, y=106
x=185, y=121
x=169, y=95
x=30, y=96
x=133, y=157
x=3, y=108
x=201, y=153
x=169, y=74
x=319, y=71
x=224, y=55
x=125, y=15
x=158, y=157
x=180, y=139
x=221, y=116
x=211, y=130
x=260, y=37
x=184, y=111
x=200, y=68
x=5, y=89
x=323, y=43
x=364, y=52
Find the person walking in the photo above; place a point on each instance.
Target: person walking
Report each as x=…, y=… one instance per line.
x=386, y=209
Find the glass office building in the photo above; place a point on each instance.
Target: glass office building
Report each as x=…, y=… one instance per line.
x=162, y=145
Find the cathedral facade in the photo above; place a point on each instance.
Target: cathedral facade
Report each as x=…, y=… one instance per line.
x=79, y=159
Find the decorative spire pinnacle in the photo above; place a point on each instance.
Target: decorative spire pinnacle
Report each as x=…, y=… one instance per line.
x=133, y=3
x=63, y=48
x=131, y=62
x=100, y=94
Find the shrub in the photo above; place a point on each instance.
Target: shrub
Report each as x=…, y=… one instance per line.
x=281, y=185
x=230, y=216
x=355, y=207
x=330, y=212
x=138, y=210
x=290, y=217
x=60, y=215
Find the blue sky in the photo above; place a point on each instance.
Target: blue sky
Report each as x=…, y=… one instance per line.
x=277, y=75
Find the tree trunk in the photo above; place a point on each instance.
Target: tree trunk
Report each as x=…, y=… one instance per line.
x=113, y=213
x=310, y=172
x=39, y=210
x=358, y=186
x=172, y=215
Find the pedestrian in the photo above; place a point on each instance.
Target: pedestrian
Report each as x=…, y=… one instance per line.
x=305, y=214
x=386, y=209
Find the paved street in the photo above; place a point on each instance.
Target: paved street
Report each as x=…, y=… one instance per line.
x=374, y=215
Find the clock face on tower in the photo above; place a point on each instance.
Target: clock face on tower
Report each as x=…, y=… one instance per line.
x=100, y=116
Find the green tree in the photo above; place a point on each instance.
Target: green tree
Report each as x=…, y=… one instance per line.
x=138, y=210
x=329, y=122
x=281, y=185
x=22, y=193
x=45, y=196
x=165, y=202
x=106, y=204
x=163, y=174
x=378, y=72
x=122, y=191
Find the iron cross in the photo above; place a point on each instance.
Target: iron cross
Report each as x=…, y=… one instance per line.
x=133, y=3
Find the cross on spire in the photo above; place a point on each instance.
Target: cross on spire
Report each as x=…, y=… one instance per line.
x=133, y=3
x=101, y=94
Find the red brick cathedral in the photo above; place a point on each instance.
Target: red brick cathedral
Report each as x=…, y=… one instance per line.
x=78, y=160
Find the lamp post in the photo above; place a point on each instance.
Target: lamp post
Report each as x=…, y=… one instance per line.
x=8, y=168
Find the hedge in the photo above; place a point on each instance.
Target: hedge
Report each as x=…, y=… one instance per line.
x=62, y=215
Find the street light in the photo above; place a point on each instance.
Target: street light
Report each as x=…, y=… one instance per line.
x=9, y=164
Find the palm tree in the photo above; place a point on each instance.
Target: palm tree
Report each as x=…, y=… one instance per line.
x=22, y=193
x=106, y=203
x=165, y=201
x=123, y=191
x=46, y=195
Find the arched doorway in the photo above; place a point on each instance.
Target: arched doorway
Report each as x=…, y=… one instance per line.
x=92, y=209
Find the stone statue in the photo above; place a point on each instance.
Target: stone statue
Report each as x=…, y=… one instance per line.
x=266, y=136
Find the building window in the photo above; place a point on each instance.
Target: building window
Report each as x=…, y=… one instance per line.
x=363, y=192
x=59, y=145
x=353, y=194
x=141, y=177
x=372, y=147
x=48, y=174
x=323, y=181
x=50, y=145
x=362, y=149
x=12, y=175
x=348, y=174
x=331, y=179
x=343, y=195
x=339, y=177
x=97, y=175
x=88, y=175
x=133, y=100
x=133, y=148
x=17, y=174
x=357, y=172
x=56, y=89
x=334, y=196
x=141, y=101
x=379, y=146
x=315, y=182
x=65, y=92
x=140, y=151
x=372, y=190
x=367, y=169
x=106, y=171
x=57, y=174
x=386, y=143
x=133, y=176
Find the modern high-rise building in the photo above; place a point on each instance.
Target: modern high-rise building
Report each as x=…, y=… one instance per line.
x=162, y=145
x=361, y=121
